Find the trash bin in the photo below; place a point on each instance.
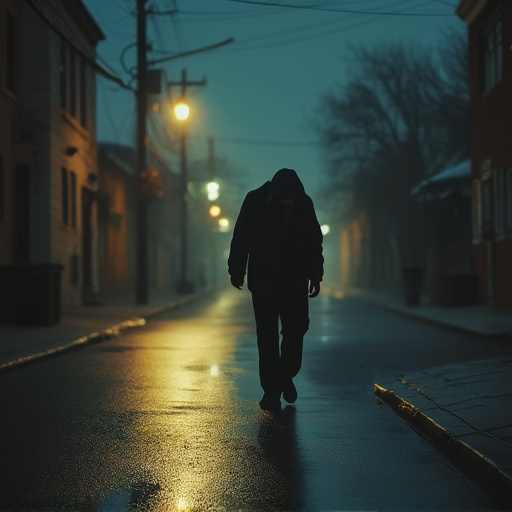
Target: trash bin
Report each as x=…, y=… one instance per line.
x=30, y=294
x=412, y=283
x=43, y=305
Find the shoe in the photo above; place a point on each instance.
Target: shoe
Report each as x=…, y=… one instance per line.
x=289, y=391
x=270, y=402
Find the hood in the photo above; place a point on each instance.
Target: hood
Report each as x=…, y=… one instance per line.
x=286, y=183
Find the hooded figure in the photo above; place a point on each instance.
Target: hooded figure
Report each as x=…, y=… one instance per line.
x=278, y=240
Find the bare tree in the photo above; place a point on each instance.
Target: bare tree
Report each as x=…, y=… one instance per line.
x=401, y=116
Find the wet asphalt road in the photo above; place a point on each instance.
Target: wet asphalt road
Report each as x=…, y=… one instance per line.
x=165, y=417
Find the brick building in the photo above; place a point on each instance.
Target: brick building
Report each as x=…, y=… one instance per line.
x=490, y=39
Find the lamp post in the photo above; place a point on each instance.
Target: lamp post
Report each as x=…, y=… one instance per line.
x=182, y=111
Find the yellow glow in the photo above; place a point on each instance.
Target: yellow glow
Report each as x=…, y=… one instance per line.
x=215, y=210
x=155, y=107
x=182, y=504
x=214, y=370
x=224, y=225
x=181, y=111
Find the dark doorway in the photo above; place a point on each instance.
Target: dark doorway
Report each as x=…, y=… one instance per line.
x=22, y=209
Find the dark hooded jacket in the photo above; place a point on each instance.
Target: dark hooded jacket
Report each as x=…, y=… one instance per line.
x=279, y=246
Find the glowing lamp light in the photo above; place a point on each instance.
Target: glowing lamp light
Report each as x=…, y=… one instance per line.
x=213, y=190
x=181, y=111
x=325, y=229
x=212, y=186
x=223, y=225
x=215, y=210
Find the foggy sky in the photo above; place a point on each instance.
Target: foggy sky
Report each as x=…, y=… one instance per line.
x=265, y=86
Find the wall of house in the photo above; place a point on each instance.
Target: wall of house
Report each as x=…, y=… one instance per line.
x=35, y=90
x=9, y=134
x=116, y=231
x=491, y=154
x=56, y=211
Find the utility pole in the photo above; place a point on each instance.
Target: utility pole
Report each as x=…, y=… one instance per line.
x=184, y=285
x=142, y=295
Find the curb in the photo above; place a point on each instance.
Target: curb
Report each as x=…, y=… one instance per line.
x=95, y=337
x=480, y=470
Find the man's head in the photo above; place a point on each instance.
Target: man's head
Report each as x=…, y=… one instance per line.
x=286, y=187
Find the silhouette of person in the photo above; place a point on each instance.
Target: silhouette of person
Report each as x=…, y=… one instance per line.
x=278, y=240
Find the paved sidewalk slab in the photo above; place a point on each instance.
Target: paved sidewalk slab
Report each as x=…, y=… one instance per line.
x=465, y=411
x=79, y=326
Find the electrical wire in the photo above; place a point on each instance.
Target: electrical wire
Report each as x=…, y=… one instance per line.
x=262, y=142
x=345, y=11
x=339, y=25
x=95, y=66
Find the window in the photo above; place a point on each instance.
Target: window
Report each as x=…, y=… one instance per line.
x=72, y=184
x=493, y=56
x=63, y=75
x=72, y=84
x=83, y=94
x=65, y=196
x=2, y=189
x=10, y=53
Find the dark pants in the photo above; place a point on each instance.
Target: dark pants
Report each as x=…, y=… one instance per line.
x=279, y=363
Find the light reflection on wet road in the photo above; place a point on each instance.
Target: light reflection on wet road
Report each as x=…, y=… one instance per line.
x=166, y=418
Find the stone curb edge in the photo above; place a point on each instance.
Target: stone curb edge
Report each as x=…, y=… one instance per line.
x=95, y=337
x=480, y=470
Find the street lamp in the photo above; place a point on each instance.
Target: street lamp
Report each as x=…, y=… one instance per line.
x=215, y=211
x=213, y=190
x=182, y=112
x=223, y=225
x=325, y=229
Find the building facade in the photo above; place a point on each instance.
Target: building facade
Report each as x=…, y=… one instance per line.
x=118, y=222
x=48, y=142
x=12, y=157
x=490, y=38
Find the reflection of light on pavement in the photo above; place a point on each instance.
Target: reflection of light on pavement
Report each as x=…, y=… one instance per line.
x=187, y=406
x=182, y=504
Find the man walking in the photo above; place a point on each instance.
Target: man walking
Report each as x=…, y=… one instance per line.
x=278, y=239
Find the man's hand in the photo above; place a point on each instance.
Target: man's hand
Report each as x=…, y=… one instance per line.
x=237, y=282
x=314, y=289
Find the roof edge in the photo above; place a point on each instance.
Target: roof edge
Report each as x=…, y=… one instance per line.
x=468, y=10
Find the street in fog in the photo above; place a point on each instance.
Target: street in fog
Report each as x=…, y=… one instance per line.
x=166, y=417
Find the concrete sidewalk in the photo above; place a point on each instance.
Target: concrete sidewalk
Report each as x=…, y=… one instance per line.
x=80, y=326
x=464, y=410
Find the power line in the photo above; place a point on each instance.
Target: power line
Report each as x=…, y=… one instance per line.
x=99, y=69
x=345, y=11
x=261, y=142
